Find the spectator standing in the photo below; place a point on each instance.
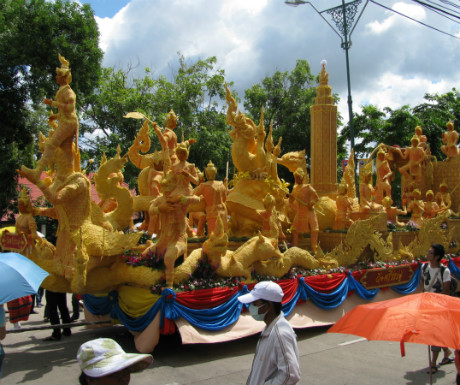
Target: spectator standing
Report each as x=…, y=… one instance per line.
x=55, y=301
x=436, y=279
x=276, y=360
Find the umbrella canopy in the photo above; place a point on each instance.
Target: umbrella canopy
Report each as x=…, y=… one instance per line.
x=424, y=318
x=19, y=276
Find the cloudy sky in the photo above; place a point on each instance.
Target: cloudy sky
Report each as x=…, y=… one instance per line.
x=393, y=60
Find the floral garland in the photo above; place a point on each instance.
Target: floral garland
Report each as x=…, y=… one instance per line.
x=205, y=275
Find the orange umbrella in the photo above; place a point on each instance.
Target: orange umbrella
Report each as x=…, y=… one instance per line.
x=424, y=318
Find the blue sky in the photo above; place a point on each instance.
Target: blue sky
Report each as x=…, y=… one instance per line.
x=393, y=61
x=106, y=8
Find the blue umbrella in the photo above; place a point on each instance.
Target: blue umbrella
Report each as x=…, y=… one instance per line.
x=19, y=276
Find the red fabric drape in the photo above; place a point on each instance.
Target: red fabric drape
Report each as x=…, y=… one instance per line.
x=325, y=283
x=206, y=298
x=289, y=287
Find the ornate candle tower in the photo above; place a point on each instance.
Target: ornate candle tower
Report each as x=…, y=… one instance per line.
x=324, y=138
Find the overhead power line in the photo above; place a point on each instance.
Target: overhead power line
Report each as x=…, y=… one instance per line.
x=417, y=21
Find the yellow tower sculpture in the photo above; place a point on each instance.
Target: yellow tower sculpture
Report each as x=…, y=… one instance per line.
x=324, y=138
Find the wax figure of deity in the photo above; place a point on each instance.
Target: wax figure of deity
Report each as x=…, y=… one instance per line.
x=366, y=191
x=416, y=208
x=344, y=207
x=422, y=138
x=271, y=225
x=171, y=207
x=168, y=137
x=412, y=171
x=303, y=197
x=67, y=127
x=197, y=218
x=431, y=208
x=185, y=172
x=393, y=211
x=25, y=222
x=450, y=140
x=384, y=175
x=407, y=194
x=214, y=194
x=443, y=198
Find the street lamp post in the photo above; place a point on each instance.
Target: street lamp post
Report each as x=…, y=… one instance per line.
x=343, y=17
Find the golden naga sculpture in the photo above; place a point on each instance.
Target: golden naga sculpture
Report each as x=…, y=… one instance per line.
x=108, y=180
x=148, y=181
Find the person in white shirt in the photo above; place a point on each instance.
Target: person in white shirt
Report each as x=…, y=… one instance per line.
x=436, y=279
x=277, y=358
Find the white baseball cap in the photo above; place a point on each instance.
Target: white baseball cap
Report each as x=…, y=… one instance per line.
x=103, y=356
x=267, y=290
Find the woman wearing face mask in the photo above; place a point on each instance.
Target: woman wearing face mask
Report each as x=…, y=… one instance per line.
x=277, y=357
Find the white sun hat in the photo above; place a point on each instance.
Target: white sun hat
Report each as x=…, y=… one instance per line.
x=267, y=290
x=103, y=356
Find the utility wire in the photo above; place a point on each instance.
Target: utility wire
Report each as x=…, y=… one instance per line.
x=445, y=7
x=435, y=8
x=417, y=21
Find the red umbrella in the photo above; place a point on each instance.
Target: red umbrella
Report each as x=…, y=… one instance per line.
x=424, y=318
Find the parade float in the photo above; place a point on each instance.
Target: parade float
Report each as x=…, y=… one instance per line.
x=330, y=244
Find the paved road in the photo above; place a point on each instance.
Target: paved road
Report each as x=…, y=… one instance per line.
x=325, y=359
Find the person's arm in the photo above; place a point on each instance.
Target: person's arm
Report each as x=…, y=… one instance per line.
x=446, y=281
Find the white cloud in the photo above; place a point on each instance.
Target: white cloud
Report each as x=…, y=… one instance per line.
x=413, y=11
x=393, y=61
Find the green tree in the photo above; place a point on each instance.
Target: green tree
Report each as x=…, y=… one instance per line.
x=32, y=33
x=374, y=126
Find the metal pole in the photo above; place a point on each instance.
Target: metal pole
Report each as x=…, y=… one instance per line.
x=346, y=46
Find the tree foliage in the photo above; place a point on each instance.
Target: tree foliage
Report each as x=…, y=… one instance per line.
x=32, y=33
x=396, y=127
x=196, y=94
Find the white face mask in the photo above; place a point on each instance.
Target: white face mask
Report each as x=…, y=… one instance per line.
x=254, y=310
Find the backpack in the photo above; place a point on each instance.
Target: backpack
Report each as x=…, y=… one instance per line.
x=453, y=281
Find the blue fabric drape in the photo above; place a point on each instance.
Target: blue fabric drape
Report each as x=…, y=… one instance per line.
x=328, y=300
x=100, y=305
x=453, y=269
x=353, y=284
x=411, y=286
x=227, y=313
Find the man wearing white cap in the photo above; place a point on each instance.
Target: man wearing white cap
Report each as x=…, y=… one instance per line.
x=104, y=362
x=277, y=358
